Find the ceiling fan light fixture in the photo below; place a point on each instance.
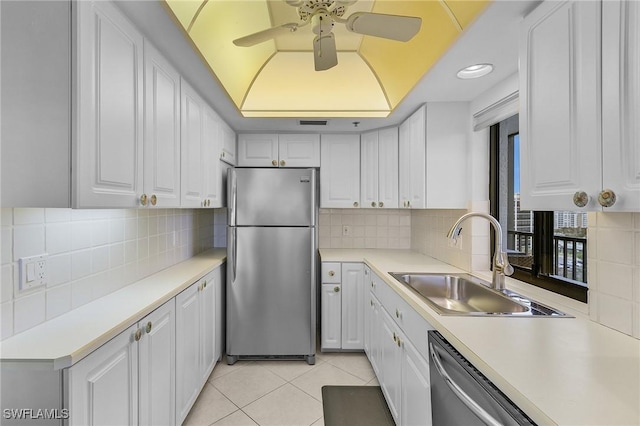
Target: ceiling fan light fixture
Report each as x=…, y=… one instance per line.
x=474, y=71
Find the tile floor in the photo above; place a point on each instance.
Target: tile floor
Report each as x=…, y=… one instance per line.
x=279, y=393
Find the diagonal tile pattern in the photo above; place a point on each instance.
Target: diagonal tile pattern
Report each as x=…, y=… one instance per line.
x=279, y=393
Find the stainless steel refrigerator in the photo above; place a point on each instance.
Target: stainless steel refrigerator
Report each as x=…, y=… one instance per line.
x=271, y=264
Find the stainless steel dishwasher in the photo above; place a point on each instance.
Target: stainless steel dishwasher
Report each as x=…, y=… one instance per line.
x=461, y=395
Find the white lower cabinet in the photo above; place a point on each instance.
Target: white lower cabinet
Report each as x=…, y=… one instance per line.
x=343, y=302
x=390, y=364
x=195, y=342
x=395, y=342
x=128, y=380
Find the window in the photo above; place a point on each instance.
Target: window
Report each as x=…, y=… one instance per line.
x=547, y=249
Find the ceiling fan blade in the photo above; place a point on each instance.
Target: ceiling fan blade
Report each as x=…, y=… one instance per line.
x=264, y=35
x=324, y=52
x=394, y=27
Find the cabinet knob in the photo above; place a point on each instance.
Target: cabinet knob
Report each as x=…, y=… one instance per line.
x=282, y=163
x=154, y=200
x=397, y=313
x=204, y=285
x=331, y=273
x=607, y=198
x=148, y=327
x=355, y=204
x=380, y=204
x=580, y=199
x=138, y=335
x=274, y=162
x=409, y=203
x=373, y=204
x=143, y=199
x=336, y=289
x=371, y=302
x=399, y=342
x=395, y=338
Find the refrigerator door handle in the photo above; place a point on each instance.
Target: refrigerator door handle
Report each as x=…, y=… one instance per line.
x=233, y=252
x=231, y=197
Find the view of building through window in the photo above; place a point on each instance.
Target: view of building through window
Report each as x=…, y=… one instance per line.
x=569, y=257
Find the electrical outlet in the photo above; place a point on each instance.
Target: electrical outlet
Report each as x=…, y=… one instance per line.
x=346, y=230
x=33, y=272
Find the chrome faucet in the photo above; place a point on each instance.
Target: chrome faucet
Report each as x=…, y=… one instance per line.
x=501, y=266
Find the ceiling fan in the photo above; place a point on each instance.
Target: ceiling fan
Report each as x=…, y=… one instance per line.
x=322, y=14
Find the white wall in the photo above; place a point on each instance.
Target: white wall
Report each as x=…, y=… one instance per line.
x=91, y=253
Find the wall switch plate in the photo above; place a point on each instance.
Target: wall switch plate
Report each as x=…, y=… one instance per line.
x=33, y=272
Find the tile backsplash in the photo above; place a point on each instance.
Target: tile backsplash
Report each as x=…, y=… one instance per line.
x=91, y=253
x=365, y=228
x=614, y=270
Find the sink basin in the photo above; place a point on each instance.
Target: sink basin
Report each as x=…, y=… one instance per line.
x=463, y=294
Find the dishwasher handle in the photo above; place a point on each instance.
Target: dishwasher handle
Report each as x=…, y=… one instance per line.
x=486, y=418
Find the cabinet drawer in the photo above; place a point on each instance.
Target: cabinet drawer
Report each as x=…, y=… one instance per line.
x=413, y=325
x=331, y=272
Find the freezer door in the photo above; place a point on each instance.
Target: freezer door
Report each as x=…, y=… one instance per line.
x=272, y=197
x=271, y=291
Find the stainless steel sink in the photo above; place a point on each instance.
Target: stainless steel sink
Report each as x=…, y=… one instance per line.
x=463, y=294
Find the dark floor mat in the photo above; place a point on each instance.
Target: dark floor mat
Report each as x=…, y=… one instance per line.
x=355, y=406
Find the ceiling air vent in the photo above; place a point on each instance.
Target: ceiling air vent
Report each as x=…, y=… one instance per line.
x=313, y=122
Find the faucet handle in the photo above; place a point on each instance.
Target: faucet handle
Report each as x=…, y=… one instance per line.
x=507, y=269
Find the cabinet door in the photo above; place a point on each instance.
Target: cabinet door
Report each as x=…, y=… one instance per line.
x=162, y=130
x=560, y=111
x=621, y=103
x=211, y=147
x=299, y=150
x=352, y=289
x=331, y=323
x=258, y=150
x=157, y=367
x=367, y=311
x=369, y=169
x=375, y=334
x=391, y=363
x=107, y=148
x=388, y=168
x=103, y=387
x=208, y=327
x=228, y=154
x=191, y=163
x=412, y=135
x=448, y=125
x=219, y=282
x=340, y=171
x=416, y=391
x=187, y=350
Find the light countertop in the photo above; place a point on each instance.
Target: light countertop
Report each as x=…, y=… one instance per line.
x=564, y=371
x=66, y=339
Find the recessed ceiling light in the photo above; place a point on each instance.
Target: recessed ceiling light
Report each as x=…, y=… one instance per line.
x=475, y=71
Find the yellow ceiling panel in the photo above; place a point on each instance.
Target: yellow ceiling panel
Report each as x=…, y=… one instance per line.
x=289, y=86
x=399, y=66
x=276, y=77
x=184, y=10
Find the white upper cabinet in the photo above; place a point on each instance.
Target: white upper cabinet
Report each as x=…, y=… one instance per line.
x=284, y=150
x=340, y=171
x=412, y=140
x=299, y=150
x=162, y=131
x=36, y=104
x=107, y=148
x=258, y=150
x=192, y=192
x=379, y=168
x=578, y=129
x=229, y=148
x=211, y=149
x=621, y=102
x=448, y=126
